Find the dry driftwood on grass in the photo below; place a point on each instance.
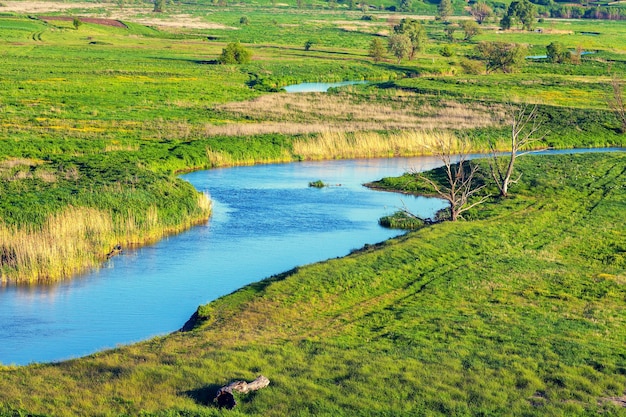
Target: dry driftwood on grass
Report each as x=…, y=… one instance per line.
x=225, y=397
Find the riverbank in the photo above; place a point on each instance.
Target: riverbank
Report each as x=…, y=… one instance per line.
x=518, y=311
x=108, y=143
x=136, y=206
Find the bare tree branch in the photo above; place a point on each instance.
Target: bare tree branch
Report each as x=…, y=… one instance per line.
x=525, y=130
x=616, y=102
x=459, y=186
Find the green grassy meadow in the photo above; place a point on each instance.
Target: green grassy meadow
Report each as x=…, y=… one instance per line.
x=516, y=311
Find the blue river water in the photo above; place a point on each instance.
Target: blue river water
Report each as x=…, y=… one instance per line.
x=266, y=220
x=318, y=87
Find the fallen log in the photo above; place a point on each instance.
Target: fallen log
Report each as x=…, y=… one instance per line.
x=225, y=397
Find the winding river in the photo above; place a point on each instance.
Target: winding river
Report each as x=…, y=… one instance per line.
x=266, y=220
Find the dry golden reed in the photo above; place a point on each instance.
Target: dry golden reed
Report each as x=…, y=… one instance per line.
x=67, y=243
x=342, y=145
x=222, y=159
x=75, y=240
x=317, y=112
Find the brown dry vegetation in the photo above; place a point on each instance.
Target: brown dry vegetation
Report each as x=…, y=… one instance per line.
x=341, y=145
x=112, y=11
x=16, y=169
x=313, y=112
x=43, y=6
x=73, y=241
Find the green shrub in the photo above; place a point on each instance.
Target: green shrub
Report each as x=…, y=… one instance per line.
x=317, y=184
x=235, y=53
x=446, y=51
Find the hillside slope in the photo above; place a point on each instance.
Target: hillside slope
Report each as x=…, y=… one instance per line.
x=518, y=313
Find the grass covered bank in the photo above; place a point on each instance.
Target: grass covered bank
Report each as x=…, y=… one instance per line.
x=517, y=312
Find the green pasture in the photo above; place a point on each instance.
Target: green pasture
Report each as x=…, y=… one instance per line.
x=517, y=311
x=150, y=98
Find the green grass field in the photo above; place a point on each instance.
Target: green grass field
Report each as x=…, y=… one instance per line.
x=516, y=312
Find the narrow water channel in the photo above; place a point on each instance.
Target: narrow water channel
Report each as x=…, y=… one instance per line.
x=266, y=220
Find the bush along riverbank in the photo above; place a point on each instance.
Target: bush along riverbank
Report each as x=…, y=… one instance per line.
x=516, y=311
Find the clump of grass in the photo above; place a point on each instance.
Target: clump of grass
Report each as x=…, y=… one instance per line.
x=78, y=238
x=67, y=243
x=401, y=220
x=219, y=159
x=317, y=184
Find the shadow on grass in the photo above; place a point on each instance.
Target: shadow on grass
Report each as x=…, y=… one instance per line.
x=204, y=395
x=193, y=61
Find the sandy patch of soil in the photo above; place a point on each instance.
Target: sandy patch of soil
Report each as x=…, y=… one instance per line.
x=130, y=14
x=171, y=21
x=43, y=6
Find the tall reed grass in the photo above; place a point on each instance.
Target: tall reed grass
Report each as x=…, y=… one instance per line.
x=77, y=239
x=223, y=159
x=343, y=145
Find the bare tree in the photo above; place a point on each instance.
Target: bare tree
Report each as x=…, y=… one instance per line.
x=459, y=187
x=525, y=128
x=616, y=102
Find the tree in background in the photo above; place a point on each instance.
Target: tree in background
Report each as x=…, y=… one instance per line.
x=525, y=127
x=445, y=10
x=159, y=6
x=449, y=30
x=400, y=46
x=76, y=22
x=470, y=29
x=235, y=53
x=616, y=102
x=501, y=55
x=377, y=49
x=558, y=53
x=523, y=12
x=480, y=11
x=406, y=5
x=415, y=32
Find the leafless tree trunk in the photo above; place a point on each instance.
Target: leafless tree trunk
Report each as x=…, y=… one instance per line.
x=525, y=127
x=616, y=102
x=459, y=186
